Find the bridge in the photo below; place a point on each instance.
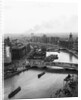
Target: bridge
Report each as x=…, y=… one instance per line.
x=63, y=65
x=53, y=67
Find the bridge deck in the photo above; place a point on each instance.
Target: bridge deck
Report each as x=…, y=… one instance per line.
x=63, y=64
x=41, y=63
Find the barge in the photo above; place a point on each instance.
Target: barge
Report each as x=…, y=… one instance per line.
x=13, y=93
x=39, y=75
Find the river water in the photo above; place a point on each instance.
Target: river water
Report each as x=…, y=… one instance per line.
x=32, y=87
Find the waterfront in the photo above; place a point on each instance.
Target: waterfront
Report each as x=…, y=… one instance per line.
x=64, y=56
x=32, y=87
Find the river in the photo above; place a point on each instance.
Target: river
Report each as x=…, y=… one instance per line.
x=32, y=87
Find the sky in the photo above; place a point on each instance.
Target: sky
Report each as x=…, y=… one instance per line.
x=35, y=16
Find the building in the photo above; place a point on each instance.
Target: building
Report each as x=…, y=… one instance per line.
x=44, y=38
x=7, y=51
x=70, y=41
x=75, y=46
x=19, y=50
x=14, y=50
x=54, y=40
x=67, y=43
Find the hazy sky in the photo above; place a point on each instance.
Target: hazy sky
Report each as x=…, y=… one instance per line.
x=26, y=16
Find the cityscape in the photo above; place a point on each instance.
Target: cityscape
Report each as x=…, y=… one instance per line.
x=42, y=54
x=40, y=50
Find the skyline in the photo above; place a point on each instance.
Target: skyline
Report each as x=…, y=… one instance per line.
x=27, y=17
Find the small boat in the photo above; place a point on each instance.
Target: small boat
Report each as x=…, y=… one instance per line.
x=14, y=92
x=39, y=75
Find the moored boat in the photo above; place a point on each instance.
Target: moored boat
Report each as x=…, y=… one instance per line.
x=13, y=93
x=39, y=75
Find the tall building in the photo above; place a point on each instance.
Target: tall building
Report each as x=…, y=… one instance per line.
x=70, y=41
x=44, y=38
x=70, y=37
x=7, y=51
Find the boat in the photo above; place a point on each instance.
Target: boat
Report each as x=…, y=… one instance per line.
x=39, y=75
x=13, y=93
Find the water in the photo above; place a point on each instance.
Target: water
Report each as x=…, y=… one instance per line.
x=64, y=57
x=32, y=87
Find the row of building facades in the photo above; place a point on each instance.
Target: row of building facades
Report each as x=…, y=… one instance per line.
x=14, y=49
x=69, y=42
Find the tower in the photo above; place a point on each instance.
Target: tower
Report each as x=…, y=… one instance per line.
x=70, y=37
x=70, y=41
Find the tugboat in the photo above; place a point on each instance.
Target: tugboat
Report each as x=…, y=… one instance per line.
x=13, y=93
x=39, y=75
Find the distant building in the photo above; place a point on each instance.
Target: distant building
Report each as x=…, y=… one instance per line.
x=36, y=39
x=67, y=43
x=71, y=41
x=75, y=46
x=44, y=38
x=70, y=37
x=53, y=40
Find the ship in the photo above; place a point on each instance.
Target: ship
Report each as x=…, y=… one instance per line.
x=13, y=93
x=39, y=75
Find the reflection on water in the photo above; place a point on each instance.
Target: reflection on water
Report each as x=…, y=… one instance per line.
x=32, y=87
x=70, y=57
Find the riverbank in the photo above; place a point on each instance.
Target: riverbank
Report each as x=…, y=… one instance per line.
x=73, y=52
x=14, y=73
x=45, y=69
x=33, y=87
x=70, y=88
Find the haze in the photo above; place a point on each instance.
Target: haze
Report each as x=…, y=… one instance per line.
x=27, y=17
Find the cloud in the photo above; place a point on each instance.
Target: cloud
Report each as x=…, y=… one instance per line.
x=23, y=15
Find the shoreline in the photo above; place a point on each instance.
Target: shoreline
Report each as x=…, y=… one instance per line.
x=15, y=73
x=48, y=70
x=70, y=89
